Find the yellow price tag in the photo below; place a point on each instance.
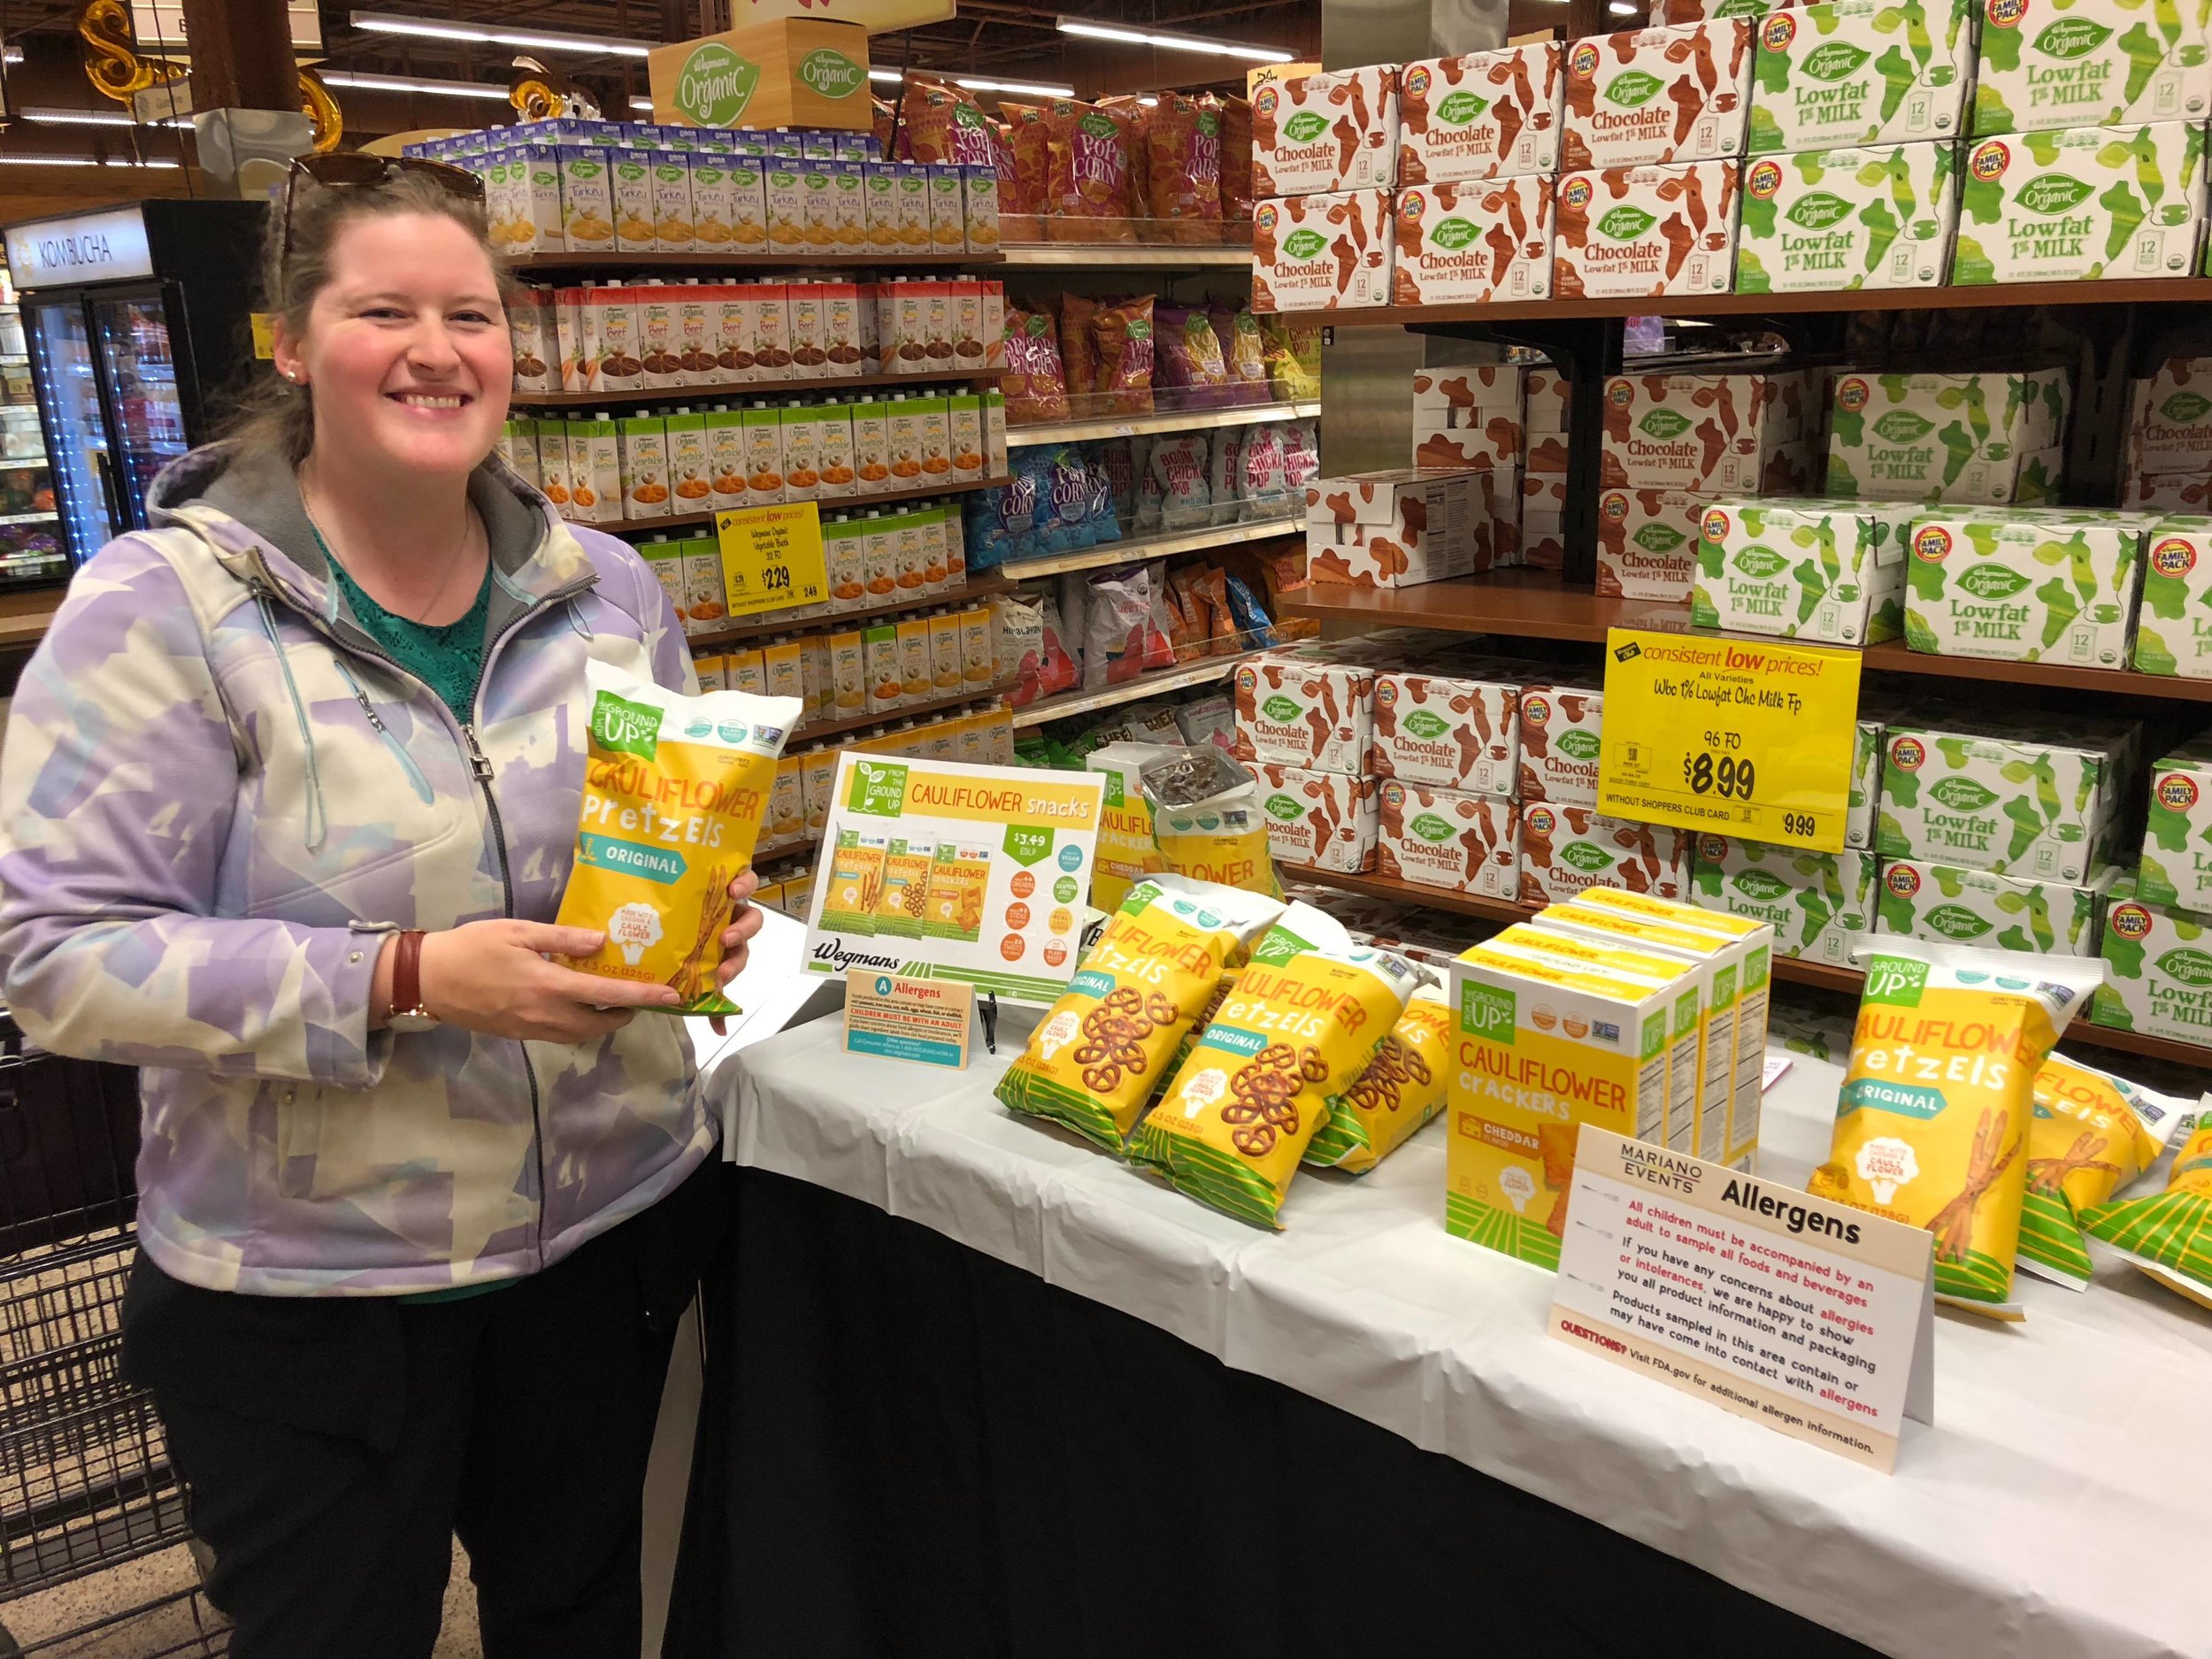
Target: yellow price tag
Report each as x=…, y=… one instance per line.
x=772, y=558
x=1750, y=738
x=264, y=335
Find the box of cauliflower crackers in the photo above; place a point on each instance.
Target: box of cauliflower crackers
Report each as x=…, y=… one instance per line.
x=2091, y=63
x=1862, y=72
x=2024, y=586
x=2088, y=202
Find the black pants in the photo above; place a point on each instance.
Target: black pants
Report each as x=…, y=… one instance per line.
x=331, y=1447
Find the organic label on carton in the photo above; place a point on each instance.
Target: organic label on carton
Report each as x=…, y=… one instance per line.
x=1862, y=72
x=1325, y=132
x=2173, y=632
x=1309, y=252
x=1322, y=818
x=1660, y=94
x=1646, y=230
x=2024, y=586
x=1560, y=726
x=1847, y=218
x=1941, y=902
x=1817, y=902
x=2176, y=867
x=2033, y=802
x=1827, y=570
x=2091, y=63
x=1487, y=115
x=2158, y=971
x=1567, y=848
x=2088, y=202
x=1647, y=543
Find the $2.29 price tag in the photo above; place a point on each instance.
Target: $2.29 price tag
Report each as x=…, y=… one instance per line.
x=1750, y=738
x=772, y=556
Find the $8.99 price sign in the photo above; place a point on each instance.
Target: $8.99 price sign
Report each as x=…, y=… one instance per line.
x=1751, y=738
x=772, y=556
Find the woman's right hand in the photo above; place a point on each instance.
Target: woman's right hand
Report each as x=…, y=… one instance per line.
x=493, y=976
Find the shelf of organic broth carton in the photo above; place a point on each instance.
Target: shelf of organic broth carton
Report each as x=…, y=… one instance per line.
x=1204, y=672
x=737, y=390
x=1159, y=421
x=769, y=626
x=1134, y=255
x=1792, y=970
x=699, y=520
x=2190, y=290
x=1158, y=546
x=1533, y=604
x=704, y=264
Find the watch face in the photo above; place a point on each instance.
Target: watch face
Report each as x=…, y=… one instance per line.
x=412, y=1022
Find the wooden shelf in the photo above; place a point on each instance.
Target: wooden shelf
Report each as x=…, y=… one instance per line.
x=821, y=729
x=1163, y=421
x=836, y=621
x=705, y=263
x=745, y=388
x=1204, y=672
x=1123, y=255
x=693, y=520
x=1377, y=887
x=2189, y=290
x=1158, y=546
x=24, y=616
x=1536, y=605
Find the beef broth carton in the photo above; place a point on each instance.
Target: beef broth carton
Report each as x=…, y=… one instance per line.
x=1295, y=709
x=1979, y=438
x=2173, y=630
x=2176, y=867
x=1314, y=252
x=1817, y=902
x=1561, y=724
x=1633, y=231
x=1321, y=133
x=2091, y=63
x=1441, y=838
x=1473, y=242
x=1703, y=432
x=2158, y=970
x=1565, y=849
x=2087, y=201
x=2026, y=797
x=1647, y=543
x=1829, y=220
x=1987, y=584
x=1924, y=899
x=1485, y=115
x=1325, y=819
x=1657, y=95
x=1449, y=730
x=1397, y=529
x=1831, y=572
x=1863, y=71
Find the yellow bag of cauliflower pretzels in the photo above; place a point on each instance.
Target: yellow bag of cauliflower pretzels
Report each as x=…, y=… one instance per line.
x=1402, y=1088
x=674, y=791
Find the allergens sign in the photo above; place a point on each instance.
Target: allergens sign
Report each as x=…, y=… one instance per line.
x=1751, y=738
x=772, y=556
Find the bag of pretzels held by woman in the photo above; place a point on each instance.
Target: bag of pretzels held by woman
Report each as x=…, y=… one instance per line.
x=1401, y=1089
x=1299, y=1028
x=1095, y=1060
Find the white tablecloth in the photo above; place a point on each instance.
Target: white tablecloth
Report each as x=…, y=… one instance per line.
x=2062, y=1504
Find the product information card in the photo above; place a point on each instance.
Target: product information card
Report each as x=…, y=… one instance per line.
x=935, y=870
x=1812, y=1318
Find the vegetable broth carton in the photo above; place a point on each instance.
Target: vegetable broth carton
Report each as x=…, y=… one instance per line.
x=1657, y=95
x=1817, y=902
x=1561, y=721
x=1654, y=230
x=1314, y=134
x=1309, y=252
x=1647, y=543
x=1485, y=115
x=1981, y=438
x=1473, y=242
x=1700, y=433
x=1828, y=219
x=2119, y=202
x=1566, y=848
x=2173, y=630
x=1862, y=72
x=2091, y=63
x=2023, y=797
x=1453, y=728
x=2025, y=586
x=2158, y=970
x=2177, y=868
x=1445, y=838
x=1926, y=900
x=1827, y=570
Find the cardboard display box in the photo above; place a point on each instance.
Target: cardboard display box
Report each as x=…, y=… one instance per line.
x=1473, y=242
x=1323, y=133
x=1831, y=220
x=1485, y=115
x=1633, y=231
x=1862, y=72
x=1658, y=95
x=1313, y=252
x=792, y=72
x=1397, y=529
x=2086, y=202
x=1440, y=838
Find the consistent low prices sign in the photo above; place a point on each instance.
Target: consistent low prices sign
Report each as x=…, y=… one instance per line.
x=772, y=556
x=1750, y=738
x=1812, y=1318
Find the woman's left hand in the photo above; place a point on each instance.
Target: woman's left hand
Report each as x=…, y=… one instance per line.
x=735, y=937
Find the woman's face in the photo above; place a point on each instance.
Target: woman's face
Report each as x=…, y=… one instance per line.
x=406, y=348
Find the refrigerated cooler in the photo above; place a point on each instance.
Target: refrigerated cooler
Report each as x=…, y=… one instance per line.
x=137, y=321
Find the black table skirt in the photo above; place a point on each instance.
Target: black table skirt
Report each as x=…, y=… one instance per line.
x=906, y=1447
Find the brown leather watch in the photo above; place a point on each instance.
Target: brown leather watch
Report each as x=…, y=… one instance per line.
x=408, y=1013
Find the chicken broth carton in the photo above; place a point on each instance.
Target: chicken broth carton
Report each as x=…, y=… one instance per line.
x=2158, y=970
x=1829, y=220
x=1310, y=252
x=1561, y=720
x=1473, y=242
x=1654, y=230
x=1447, y=731
x=1657, y=95
x=2091, y=63
x=1981, y=438
x=2177, y=868
x=1444, y=838
x=2022, y=587
x=1827, y=570
x=1326, y=820
x=2020, y=796
x=1647, y=543
x=2087, y=201
x=1485, y=115
x=1815, y=903
x=1565, y=849
x=1862, y=72
x=1539, y=1052
x=1923, y=899
x=1313, y=133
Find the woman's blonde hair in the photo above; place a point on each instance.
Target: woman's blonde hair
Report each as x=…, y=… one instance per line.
x=273, y=412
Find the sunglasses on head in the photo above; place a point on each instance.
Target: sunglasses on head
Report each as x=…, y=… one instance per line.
x=355, y=168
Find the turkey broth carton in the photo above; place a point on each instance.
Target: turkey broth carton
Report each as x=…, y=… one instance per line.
x=2177, y=868
x=2090, y=63
x=2158, y=970
x=2121, y=202
x=1322, y=818
x=1832, y=219
x=1312, y=252
x=1561, y=720
x=1924, y=899
x=1815, y=903
x=1862, y=72
x=1655, y=230
x=1566, y=849
x=1657, y=95
x=1538, y=1051
x=2019, y=796
x=1975, y=438
x=1444, y=838
x=1485, y=115
x=1831, y=572
x=2025, y=586
x=1473, y=242
x=1320, y=133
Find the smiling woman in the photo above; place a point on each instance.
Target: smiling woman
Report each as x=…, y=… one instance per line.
x=286, y=810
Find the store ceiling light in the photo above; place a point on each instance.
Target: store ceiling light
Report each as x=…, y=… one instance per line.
x=363, y=83
x=1622, y=9
x=1032, y=87
x=523, y=40
x=93, y=117
x=1174, y=42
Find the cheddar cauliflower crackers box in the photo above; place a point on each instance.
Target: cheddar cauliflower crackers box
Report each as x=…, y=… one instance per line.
x=1831, y=220
x=2091, y=63
x=675, y=789
x=2118, y=201
x=1862, y=72
x=2025, y=586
